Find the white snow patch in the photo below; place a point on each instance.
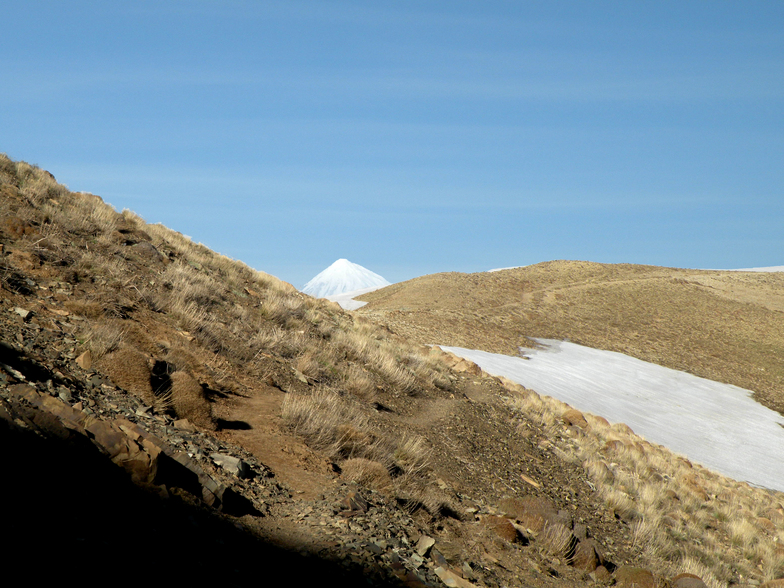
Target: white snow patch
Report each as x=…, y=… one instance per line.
x=346, y=300
x=717, y=425
x=341, y=277
x=500, y=269
x=773, y=268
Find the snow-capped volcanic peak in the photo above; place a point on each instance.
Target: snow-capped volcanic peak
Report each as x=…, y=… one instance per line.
x=343, y=276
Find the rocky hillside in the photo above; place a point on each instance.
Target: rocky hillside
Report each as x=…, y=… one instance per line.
x=172, y=414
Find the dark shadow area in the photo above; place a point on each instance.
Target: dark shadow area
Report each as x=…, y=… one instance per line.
x=69, y=513
x=212, y=393
x=382, y=408
x=159, y=378
x=17, y=360
x=224, y=425
x=450, y=513
x=15, y=281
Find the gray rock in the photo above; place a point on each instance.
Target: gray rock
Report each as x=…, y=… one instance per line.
x=580, y=531
x=231, y=464
x=148, y=251
x=424, y=544
x=23, y=312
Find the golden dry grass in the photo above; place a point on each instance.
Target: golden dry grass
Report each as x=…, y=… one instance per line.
x=683, y=517
x=339, y=427
x=330, y=423
x=368, y=473
x=101, y=338
x=412, y=456
x=359, y=383
x=554, y=539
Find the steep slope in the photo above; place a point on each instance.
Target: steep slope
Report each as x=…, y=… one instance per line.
x=246, y=412
x=715, y=424
x=722, y=325
x=341, y=277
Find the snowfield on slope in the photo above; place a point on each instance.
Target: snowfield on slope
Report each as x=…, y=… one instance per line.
x=717, y=425
x=346, y=300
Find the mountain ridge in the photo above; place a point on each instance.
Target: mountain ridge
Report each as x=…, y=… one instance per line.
x=731, y=322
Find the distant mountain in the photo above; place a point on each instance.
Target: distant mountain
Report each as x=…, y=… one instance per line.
x=343, y=276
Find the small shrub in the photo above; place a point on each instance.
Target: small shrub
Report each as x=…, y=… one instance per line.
x=130, y=370
x=329, y=423
x=189, y=402
x=555, y=539
x=412, y=456
x=359, y=383
x=742, y=532
x=366, y=472
x=619, y=502
x=102, y=338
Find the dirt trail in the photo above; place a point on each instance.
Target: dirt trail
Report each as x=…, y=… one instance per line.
x=306, y=472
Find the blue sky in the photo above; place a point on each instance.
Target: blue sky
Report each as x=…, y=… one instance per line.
x=414, y=137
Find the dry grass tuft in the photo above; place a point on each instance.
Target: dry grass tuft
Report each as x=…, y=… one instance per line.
x=188, y=400
x=389, y=360
x=412, y=456
x=185, y=285
x=359, y=383
x=100, y=267
x=644, y=532
x=555, y=539
x=307, y=363
x=85, y=308
x=742, y=532
x=130, y=370
x=420, y=493
x=77, y=213
x=337, y=426
x=540, y=409
x=331, y=424
x=365, y=472
x=101, y=338
x=620, y=502
x=598, y=471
